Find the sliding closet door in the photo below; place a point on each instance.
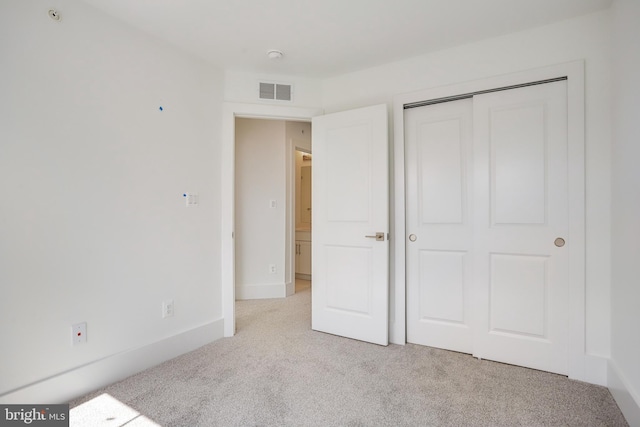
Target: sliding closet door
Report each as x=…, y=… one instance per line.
x=438, y=158
x=521, y=226
x=487, y=226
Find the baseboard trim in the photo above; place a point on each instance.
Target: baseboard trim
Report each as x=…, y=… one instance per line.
x=626, y=397
x=65, y=386
x=269, y=290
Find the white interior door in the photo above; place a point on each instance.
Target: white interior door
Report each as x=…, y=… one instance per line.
x=487, y=202
x=438, y=216
x=350, y=203
x=521, y=226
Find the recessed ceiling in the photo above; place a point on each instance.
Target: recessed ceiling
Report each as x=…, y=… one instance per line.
x=322, y=38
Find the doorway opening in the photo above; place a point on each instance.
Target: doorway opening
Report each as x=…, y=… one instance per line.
x=303, y=214
x=272, y=207
x=227, y=165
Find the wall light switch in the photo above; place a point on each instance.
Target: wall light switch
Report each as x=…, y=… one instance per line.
x=272, y=203
x=191, y=199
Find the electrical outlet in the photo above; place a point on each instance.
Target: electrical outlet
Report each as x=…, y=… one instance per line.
x=272, y=268
x=79, y=333
x=167, y=308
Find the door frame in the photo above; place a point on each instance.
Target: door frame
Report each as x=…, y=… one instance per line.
x=227, y=191
x=581, y=366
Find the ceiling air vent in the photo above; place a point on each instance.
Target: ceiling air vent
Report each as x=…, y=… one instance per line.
x=275, y=91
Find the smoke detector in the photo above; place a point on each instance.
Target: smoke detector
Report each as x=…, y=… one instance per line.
x=274, y=54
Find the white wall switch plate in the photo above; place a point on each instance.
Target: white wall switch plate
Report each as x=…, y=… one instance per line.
x=191, y=199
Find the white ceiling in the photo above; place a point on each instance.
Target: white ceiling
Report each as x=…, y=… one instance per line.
x=322, y=38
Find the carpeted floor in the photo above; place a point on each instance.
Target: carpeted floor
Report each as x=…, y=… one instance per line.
x=277, y=372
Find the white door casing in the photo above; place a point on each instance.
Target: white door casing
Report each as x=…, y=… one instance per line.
x=350, y=202
x=438, y=157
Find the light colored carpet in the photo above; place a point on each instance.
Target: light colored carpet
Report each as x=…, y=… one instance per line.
x=277, y=372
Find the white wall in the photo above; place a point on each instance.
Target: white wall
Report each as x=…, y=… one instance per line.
x=586, y=38
x=93, y=223
x=624, y=369
x=260, y=234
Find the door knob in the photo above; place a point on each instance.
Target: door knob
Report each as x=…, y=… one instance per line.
x=413, y=237
x=378, y=236
x=559, y=242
